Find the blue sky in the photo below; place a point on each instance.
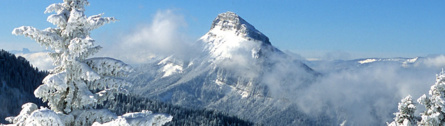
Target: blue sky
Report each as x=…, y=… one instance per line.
x=313, y=29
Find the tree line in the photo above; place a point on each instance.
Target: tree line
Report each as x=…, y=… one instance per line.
x=18, y=80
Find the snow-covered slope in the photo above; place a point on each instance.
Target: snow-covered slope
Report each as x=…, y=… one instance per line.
x=230, y=34
x=238, y=72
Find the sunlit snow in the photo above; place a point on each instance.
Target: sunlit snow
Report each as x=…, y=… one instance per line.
x=169, y=68
x=367, y=61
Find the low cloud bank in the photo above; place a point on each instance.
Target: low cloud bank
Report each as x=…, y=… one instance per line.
x=41, y=60
x=364, y=94
x=164, y=36
x=435, y=61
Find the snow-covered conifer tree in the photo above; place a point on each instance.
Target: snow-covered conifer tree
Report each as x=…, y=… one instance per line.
x=434, y=114
x=434, y=104
x=405, y=116
x=78, y=83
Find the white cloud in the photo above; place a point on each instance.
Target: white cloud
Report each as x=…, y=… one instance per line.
x=436, y=61
x=164, y=36
x=360, y=93
x=368, y=94
x=40, y=60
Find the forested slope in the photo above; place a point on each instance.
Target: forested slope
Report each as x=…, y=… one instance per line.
x=18, y=80
x=181, y=116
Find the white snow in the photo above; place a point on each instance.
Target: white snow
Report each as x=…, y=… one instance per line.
x=30, y=115
x=165, y=60
x=27, y=109
x=144, y=118
x=409, y=61
x=401, y=60
x=222, y=42
x=109, y=67
x=219, y=82
x=405, y=116
x=43, y=117
x=412, y=60
x=230, y=88
x=170, y=66
x=230, y=36
x=313, y=59
x=171, y=69
x=244, y=94
x=367, y=61
x=225, y=44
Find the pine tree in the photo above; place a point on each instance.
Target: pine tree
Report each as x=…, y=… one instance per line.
x=70, y=85
x=78, y=83
x=405, y=116
x=434, y=114
x=435, y=103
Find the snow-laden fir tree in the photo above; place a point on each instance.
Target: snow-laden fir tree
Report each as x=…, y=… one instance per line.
x=434, y=114
x=405, y=116
x=434, y=104
x=78, y=83
x=68, y=86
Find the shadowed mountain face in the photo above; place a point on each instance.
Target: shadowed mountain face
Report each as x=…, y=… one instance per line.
x=239, y=72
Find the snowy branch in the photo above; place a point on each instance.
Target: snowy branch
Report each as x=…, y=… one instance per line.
x=48, y=37
x=58, y=8
x=97, y=21
x=109, y=67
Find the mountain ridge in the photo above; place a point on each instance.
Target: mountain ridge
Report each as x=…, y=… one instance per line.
x=230, y=21
x=235, y=73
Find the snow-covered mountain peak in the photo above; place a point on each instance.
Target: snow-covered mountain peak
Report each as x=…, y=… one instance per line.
x=232, y=37
x=231, y=22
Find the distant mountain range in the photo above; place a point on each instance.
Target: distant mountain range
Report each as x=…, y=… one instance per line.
x=338, y=65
